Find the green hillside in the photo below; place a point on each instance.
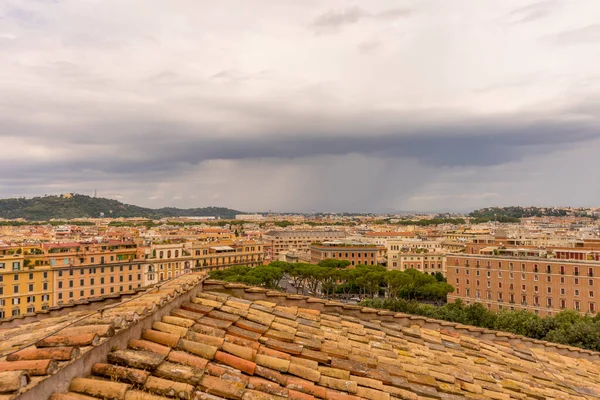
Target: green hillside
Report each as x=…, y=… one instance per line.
x=80, y=206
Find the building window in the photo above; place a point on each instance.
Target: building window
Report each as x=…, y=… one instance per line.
x=16, y=289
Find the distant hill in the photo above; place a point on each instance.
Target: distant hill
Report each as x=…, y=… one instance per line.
x=513, y=214
x=80, y=206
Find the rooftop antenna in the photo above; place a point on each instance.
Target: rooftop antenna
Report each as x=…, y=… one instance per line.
x=95, y=192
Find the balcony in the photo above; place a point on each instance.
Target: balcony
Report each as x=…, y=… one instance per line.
x=590, y=274
x=576, y=273
x=523, y=303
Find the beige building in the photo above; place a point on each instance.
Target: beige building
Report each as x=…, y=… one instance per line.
x=287, y=240
x=429, y=263
x=356, y=253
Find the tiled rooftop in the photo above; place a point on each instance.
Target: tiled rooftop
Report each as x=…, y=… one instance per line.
x=219, y=345
x=33, y=352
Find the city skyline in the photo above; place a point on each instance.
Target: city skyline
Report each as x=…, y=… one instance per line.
x=295, y=106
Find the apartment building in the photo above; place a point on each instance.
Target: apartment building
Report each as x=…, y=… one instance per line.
x=355, y=252
x=212, y=256
x=286, y=240
x=429, y=263
x=37, y=277
x=165, y=261
x=22, y=289
x=383, y=238
x=84, y=270
x=413, y=245
x=543, y=285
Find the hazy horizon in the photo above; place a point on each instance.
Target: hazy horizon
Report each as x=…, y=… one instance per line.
x=336, y=105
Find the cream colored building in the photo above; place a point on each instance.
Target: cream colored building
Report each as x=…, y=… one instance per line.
x=429, y=263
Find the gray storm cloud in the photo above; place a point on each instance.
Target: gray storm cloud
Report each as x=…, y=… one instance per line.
x=290, y=105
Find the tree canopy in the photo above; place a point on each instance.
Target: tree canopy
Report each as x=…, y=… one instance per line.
x=336, y=277
x=567, y=327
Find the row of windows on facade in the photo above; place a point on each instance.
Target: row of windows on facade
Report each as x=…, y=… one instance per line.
x=414, y=246
x=16, y=265
x=536, y=300
x=92, y=270
x=511, y=275
x=418, y=258
x=93, y=292
x=511, y=285
x=359, y=255
x=161, y=254
x=362, y=263
x=16, y=311
x=562, y=268
x=16, y=288
x=30, y=299
x=425, y=266
x=16, y=276
x=536, y=290
x=102, y=280
x=205, y=252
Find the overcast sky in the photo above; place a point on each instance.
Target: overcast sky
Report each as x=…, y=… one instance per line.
x=294, y=105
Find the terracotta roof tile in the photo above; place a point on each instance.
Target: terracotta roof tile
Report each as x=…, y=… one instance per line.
x=222, y=346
